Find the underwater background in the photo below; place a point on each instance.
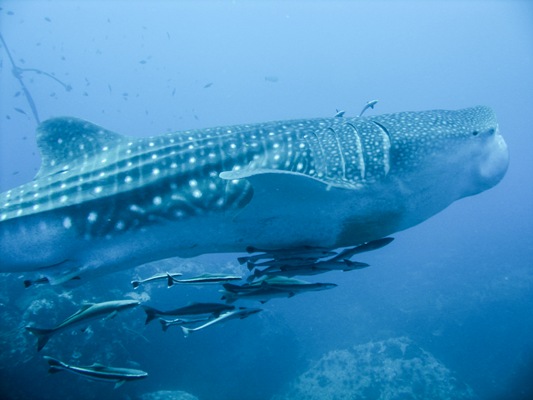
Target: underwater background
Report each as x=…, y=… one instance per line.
x=444, y=312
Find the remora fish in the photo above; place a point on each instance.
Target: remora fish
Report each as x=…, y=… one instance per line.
x=157, y=277
x=271, y=287
x=316, y=268
x=165, y=323
x=192, y=309
x=239, y=313
x=205, y=279
x=368, y=246
x=260, y=293
x=298, y=253
x=86, y=313
x=102, y=201
x=97, y=372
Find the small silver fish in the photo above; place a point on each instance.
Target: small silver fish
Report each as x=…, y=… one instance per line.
x=97, y=372
x=157, y=277
x=241, y=313
x=204, y=279
x=86, y=313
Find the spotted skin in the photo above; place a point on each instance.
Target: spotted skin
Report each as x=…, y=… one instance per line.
x=104, y=201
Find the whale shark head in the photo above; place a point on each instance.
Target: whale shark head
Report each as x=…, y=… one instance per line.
x=461, y=151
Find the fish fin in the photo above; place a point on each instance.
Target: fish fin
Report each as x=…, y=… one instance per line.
x=186, y=331
x=66, y=140
x=83, y=330
x=85, y=306
x=170, y=280
x=112, y=315
x=43, y=335
x=242, y=260
x=250, y=265
x=135, y=284
x=119, y=384
x=164, y=324
x=151, y=314
x=280, y=176
x=62, y=272
x=98, y=366
x=27, y=283
x=54, y=365
x=291, y=294
x=355, y=264
x=291, y=190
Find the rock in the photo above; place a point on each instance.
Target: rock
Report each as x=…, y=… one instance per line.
x=393, y=369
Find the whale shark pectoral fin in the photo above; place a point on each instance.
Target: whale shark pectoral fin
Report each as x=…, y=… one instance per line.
x=65, y=140
x=284, y=176
x=287, y=191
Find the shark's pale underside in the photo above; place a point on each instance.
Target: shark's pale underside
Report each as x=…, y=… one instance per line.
x=102, y=201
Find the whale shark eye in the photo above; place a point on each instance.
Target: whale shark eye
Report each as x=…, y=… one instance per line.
x=475, y=133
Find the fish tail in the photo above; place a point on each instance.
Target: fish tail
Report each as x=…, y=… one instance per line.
x=27, y=283
x=242, y=260
x=151, y=314
x=164, y=324
x=54, y=365
x=135, y=284
x=43, y=335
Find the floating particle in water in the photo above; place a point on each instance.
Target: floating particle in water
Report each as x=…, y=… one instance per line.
x=47, y=19
x=207, y=85
x=271, y=78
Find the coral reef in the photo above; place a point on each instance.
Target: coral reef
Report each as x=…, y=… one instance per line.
x=393, y=369
x=168, y=395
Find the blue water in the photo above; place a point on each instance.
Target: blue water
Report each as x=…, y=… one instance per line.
x=459, y=286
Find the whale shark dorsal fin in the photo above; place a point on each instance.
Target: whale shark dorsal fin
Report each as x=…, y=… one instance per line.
x=63, y=140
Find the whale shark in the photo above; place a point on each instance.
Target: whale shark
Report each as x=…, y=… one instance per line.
x=102, y=201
